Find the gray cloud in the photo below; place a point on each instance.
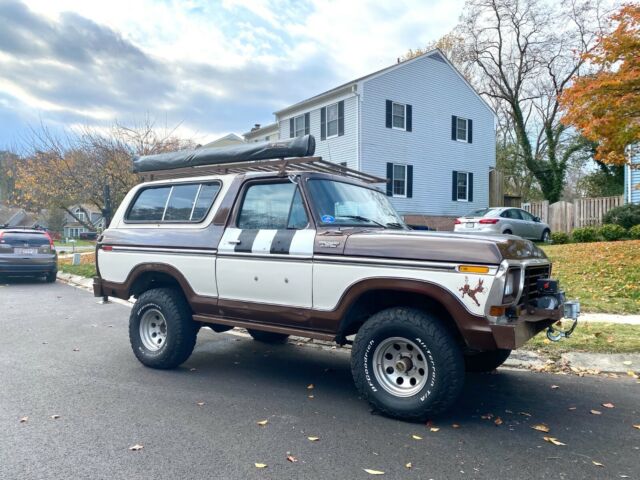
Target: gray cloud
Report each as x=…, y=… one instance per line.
x=80, y=65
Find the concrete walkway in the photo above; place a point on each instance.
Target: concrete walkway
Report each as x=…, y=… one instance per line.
x=610, y=318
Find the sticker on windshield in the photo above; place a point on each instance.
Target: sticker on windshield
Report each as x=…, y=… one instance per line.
x=327, y=219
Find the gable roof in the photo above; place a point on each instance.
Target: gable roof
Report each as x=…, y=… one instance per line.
x=435, y=54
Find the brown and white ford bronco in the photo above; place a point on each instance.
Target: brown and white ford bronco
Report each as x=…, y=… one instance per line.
x=271, y=239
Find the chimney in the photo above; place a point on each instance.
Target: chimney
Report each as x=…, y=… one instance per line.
x=255, y=127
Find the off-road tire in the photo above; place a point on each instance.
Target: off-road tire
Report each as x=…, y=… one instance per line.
x=485, y=361
x=181, y=329
x=50, y=277
x=436, y=344
x=268, y=337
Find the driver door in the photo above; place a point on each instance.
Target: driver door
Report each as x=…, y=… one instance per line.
x=265, y=255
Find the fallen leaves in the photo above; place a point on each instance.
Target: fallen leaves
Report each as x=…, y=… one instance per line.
x=455, y=425
x=608, y=405
x=553, y=440
x=434, y=429
x=260, y=465
x=541, y=427
x=313, y=439
x=373, y=472
x=637, y=426
x=408, y=465
x=595, y=412
x=262, y=423
x=416, y=437
x=76, y=349
x=311, y=386
x=137, y=447
x=55, y=417
x=24, y=419
x=291, y=459
x=597, y=464
x=200, y=404
x=554, y=387
x=498, y=421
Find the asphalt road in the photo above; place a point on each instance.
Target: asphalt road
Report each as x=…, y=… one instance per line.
x=108, y=402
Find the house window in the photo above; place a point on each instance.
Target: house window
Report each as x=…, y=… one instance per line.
x=79, y=214
x=398, y=116
x=332, y=120
x=300, y=126
x=399, y=180
x=462, y=187
x=461, y=129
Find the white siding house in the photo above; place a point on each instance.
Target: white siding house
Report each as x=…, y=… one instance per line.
x=632, y=178
x=262, y=133
x=418, y=123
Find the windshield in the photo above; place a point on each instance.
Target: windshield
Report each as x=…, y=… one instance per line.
x=338, y=203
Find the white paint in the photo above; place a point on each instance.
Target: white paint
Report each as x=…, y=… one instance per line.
x=302, y=243
x=229, y=240
x=262, y=242
x=198, y=270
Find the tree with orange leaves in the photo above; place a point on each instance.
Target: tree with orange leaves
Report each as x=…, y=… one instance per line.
x=605, y=105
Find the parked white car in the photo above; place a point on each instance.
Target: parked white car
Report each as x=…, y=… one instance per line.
x=505, y=220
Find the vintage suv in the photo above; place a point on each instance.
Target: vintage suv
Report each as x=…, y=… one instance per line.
x=241, y=237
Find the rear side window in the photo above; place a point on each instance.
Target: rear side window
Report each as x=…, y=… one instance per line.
x=178, y=203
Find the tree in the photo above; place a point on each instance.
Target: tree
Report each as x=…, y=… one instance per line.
x=453, y=46
x=55, y=220
x=605, y=105
x=525, y=53
x=8, y=167
x=59, y=172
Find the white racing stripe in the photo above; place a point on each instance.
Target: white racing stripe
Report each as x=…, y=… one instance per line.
x=262, y=242
x=302, y=243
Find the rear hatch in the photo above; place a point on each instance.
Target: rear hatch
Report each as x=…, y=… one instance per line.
x=25, y=244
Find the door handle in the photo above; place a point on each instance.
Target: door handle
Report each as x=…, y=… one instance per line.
x=234, y=242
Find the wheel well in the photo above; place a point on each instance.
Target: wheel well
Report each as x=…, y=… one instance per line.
x=374, y=301
x=148, y=280
x=507, y=230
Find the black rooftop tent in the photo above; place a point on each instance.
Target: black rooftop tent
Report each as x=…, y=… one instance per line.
x=295, y=147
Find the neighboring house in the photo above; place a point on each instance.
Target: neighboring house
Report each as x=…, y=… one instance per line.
x=632, y=179
x=261, y=134
x=227, y=140
x=418, y=123
x=16, y=217
x=73, y=228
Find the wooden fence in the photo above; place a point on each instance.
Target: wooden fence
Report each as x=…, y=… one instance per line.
x=582, y=212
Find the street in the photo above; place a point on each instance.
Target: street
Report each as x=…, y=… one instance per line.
x=62, y=353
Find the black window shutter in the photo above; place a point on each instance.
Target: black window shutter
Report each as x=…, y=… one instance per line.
x=341, y=118
x=409, y=120
x=292, y=128
x=470, y=182
x=323, y=123
x=454, y=186
x=306, y=123
x=409, y=181
x=454, y=126
x=388, y=116
x=389, y=179
x=470, y=131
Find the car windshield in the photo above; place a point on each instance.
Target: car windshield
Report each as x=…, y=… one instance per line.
x=480, y=213
x=339, y=203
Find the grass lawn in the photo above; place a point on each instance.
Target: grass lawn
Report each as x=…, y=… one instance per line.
x=87, y=267
x=593, y=338
x=78, y=243
x=604, y=276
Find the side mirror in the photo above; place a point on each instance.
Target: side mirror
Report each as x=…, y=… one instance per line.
x=536, y=219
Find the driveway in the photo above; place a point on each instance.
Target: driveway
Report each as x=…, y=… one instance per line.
x=63, y=354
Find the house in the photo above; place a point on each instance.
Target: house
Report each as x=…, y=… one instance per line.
x=16, y=217
x=632, y=179
x=87, y=213
x=418, y=123
x=262, y=133
x=227, y=140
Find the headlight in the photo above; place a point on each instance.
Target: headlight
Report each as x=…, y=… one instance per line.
x=511, y=285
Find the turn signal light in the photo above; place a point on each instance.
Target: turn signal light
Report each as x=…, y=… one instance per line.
x=473, y=269
x=497, y=311
x=491, y=221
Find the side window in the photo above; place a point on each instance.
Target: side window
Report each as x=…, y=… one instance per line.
x=204, y=201
x=272, y=206
x=181, y=203
x=526, y=215
x=149, y=206
x=513, y=214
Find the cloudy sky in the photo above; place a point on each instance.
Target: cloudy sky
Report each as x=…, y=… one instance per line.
x=213, y=67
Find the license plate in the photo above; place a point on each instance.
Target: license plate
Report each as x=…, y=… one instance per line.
x=470, y=225
x=25, y=251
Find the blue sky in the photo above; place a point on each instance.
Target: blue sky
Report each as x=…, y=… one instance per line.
x=213, y=67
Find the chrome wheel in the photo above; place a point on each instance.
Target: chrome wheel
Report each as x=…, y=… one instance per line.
x=153, y=330
x=400, y=367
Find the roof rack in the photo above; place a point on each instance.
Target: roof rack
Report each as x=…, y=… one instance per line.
x=281, y=166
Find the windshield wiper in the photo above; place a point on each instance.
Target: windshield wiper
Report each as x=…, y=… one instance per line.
x=395, y=225
x=364, y=219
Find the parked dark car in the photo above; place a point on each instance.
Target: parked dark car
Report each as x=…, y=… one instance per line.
x=88, y=235
x=27, y=253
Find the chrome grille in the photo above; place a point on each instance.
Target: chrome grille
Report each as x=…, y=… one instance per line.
x=531, y=276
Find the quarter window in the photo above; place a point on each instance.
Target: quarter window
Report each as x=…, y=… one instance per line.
x=273, y=206
x=332, y=120
x=398, y=116
x=461, y=129
x=399, y=180
x=462, y=186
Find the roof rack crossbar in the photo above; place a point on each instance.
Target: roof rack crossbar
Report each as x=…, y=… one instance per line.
x=280, y=166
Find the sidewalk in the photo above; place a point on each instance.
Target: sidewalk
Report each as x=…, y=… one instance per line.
x=609, y=318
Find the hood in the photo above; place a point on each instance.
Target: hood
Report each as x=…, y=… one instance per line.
x=441, y=246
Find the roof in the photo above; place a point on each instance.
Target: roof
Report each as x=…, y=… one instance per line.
x=262, y=129
x=436, y=54
x=229, y=139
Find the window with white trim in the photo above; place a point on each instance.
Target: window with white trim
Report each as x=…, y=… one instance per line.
x=332, y=120
x=462, y=187
x=79, y=214
x=299, y=125
x=398, y=116
x=399, y=181
x=461, y=129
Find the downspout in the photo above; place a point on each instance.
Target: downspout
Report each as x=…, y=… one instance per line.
x=359, y=126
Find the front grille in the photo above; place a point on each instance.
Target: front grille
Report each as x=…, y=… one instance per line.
x=531, y=276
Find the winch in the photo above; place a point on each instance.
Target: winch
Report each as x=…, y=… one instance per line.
x=552, y=298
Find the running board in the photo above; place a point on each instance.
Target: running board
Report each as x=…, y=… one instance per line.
x=298, y=332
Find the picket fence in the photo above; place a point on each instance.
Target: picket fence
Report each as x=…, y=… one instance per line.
x=582, y=212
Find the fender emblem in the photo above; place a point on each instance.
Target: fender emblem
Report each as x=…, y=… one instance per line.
x=328, y=244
